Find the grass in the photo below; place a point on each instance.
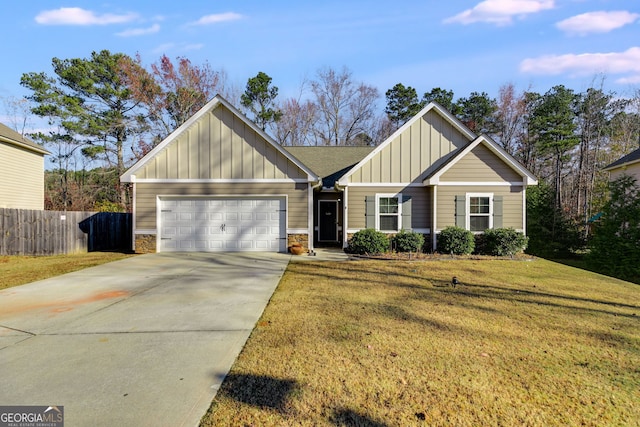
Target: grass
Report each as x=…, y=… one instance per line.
x=18, y=270
x=389, y=343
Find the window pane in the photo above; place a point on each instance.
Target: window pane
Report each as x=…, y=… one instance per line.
x=388, y=223
x=478, y=223
x=388, y=205
x=479, y=205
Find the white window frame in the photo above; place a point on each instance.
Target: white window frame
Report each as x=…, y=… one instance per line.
x=467, y=210
x=387, y=195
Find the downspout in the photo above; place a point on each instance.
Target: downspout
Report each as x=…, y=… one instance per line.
x=434, y=244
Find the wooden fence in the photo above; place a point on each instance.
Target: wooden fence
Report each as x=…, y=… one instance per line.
x=108, y=231
x=32, y=232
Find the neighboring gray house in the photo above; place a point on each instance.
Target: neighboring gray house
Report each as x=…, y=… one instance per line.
x=628, y=165
x=219, y=183
x=21, y=171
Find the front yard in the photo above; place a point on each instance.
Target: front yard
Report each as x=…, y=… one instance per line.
x=18, y=270
x=389, y=343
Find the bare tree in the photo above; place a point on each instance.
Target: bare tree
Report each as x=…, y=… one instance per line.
x=296, y=124
x=346, y=110
x=18, y=112
x=510, y=114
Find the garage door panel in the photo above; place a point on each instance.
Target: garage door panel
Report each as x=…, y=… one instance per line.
x=205, y=224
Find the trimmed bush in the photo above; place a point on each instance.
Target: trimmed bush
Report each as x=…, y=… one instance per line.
x=502, y=242
x=368, y=241
x=456, y=241
x=407, y=241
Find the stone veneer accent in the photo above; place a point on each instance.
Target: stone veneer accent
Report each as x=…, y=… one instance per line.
x=145, y=243
x=303, y=239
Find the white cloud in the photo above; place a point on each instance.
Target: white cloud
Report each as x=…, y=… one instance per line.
x=132, y=32
x=627, y=62
x=217, y=18
x=597, y=22
x=177, y=47
x=79, y=16
x=500, y=12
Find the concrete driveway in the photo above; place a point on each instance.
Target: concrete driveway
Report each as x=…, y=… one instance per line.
x=145, y=341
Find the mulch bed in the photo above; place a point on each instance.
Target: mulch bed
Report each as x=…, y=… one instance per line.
x=419, y=256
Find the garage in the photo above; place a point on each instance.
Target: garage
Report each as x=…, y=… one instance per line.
x=212, y=224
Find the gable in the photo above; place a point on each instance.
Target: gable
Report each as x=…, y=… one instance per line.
x=480, y=165
x=218, y=144
x=13, y=138
x=414, y=152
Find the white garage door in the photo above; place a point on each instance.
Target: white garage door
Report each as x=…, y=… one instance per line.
x=209, y=225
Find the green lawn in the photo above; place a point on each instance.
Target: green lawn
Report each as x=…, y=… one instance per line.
x=18, y=270
x=389, y=343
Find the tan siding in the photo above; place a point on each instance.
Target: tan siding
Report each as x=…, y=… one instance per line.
x=21, y=178
x=420, y=204
x=220, y=146
x=632, y=170
x=511, y=203
x=481, y=165
x=414, y=153
x=146, y=198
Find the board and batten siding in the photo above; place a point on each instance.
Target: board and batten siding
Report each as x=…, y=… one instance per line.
x=21, y=178
x=220, y=145
x=420, y=205
x=512, y=203
x=413, y=154
x=146, y=198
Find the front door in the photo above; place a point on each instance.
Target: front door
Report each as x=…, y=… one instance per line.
x=328, y=221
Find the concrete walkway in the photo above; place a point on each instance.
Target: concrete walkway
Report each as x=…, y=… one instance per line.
x=145, y=341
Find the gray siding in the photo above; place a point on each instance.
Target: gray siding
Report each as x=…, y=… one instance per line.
x=511, y=208
x=420, y=204
x=146, y=196
x=481, y=165
x=413, y=154
x=21, y=178
x=220, y=145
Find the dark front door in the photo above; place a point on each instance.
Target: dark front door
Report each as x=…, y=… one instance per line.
x=328, y=221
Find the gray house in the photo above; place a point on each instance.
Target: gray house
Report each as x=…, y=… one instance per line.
x=219, y=183
x=21, y=171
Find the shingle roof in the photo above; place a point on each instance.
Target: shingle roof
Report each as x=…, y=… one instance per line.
x=632, y=157
x=9, y=135
x=331, y=162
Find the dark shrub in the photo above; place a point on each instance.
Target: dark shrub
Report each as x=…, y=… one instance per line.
x=456, y=240
x=368, y=241
x=502, y=242
x=407, y=241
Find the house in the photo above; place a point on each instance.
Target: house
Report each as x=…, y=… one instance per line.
x=219, y=183
x=628, y=165
x=21, y=171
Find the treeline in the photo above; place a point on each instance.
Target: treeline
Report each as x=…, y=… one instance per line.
x=107, y=111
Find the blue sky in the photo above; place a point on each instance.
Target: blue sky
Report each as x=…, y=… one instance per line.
x=463, y=45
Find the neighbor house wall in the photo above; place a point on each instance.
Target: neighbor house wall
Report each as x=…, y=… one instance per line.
x=21, y=178
x=631, y=170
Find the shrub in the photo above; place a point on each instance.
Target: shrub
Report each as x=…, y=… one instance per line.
x=407, y=241
x=502, y=242
x=368, y=241
x=456, y=241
